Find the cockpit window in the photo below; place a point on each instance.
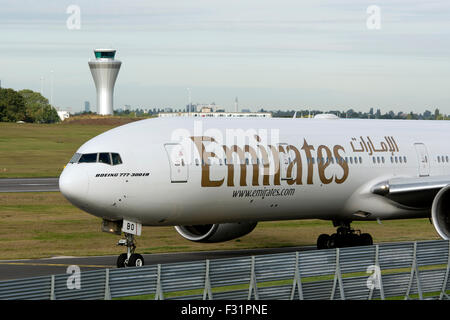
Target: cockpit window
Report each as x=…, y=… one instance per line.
x=116, y=159
x=75, y=158
x=104, y=158
x=88, y=158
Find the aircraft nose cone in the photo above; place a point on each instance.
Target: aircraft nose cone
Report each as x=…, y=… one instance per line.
x=74, y=185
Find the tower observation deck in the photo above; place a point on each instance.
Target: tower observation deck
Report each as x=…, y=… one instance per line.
x=104, y=70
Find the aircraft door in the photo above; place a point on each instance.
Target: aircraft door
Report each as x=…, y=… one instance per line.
x=178, y=162
x=423, y=159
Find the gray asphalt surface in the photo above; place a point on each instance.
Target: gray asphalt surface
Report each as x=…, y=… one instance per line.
x=18, y=269
x=29, y=185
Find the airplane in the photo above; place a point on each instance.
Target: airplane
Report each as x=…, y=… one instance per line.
x=214, y=179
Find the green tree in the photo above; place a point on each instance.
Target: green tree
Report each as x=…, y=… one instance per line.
x=37, y=107
x=436, y=114
x=12, y=106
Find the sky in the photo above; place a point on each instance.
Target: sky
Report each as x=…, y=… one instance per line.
x=284, y=54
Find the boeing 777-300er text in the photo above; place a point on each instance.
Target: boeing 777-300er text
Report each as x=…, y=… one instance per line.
x=214, y=179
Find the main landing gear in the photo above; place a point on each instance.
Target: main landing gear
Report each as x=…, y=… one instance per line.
x=129, y=259
x=344, y=237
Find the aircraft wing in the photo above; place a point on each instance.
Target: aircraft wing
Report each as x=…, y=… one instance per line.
x=412, y=192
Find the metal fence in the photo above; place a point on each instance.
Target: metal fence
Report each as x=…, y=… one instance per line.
x=418, y=270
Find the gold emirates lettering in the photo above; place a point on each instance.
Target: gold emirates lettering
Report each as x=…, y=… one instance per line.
x=292, y=177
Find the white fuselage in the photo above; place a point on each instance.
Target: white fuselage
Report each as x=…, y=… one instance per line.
x=190, y=171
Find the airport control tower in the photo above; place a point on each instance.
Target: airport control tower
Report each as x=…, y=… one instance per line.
x=104, y=70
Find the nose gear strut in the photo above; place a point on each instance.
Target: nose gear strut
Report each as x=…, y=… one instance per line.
x=129, y=259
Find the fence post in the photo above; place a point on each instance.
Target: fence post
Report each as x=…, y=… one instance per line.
x=207, y=292
x=297, y=279
x=444, y=285
x=253, y=282
x=414, y=270
x=107, y=290
x=379, y=277
x=52, y=288
x=338, y=278
x=159, y=292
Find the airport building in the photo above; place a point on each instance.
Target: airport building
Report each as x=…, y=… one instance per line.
x=63, y=115
x=104, y=70
x=217, y=114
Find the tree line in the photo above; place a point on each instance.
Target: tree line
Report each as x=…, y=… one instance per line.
x=26, y=105
x=350, y=113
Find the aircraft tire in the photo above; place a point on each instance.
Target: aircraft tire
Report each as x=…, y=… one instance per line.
x=136, y=260
x=366, y=239
x=121, y=260
x=322, y=241
x=333, y=241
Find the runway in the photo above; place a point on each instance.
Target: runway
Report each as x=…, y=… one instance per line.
x=29, y=185
x=19, y=269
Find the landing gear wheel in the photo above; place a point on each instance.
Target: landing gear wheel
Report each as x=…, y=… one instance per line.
x=333, y=241
x=136, y=260
x=366, y=239
x=322, y=241
x=129, y=259
x=121, y=260
x=345, y=236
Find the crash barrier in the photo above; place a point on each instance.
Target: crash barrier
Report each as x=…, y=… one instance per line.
x=417, y=270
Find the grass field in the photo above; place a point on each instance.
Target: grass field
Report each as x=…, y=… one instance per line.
x=42, y=150
x=38, y=225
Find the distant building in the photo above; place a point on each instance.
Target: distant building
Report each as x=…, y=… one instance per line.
x=63, y=115
x=217, y=114
x=87, y=106
x=191, y=108
x=206, y=109
x=245, y=110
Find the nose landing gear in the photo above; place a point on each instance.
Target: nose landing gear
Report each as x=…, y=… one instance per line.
x=130, y=230
x=345, y=236
x=129, y=259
